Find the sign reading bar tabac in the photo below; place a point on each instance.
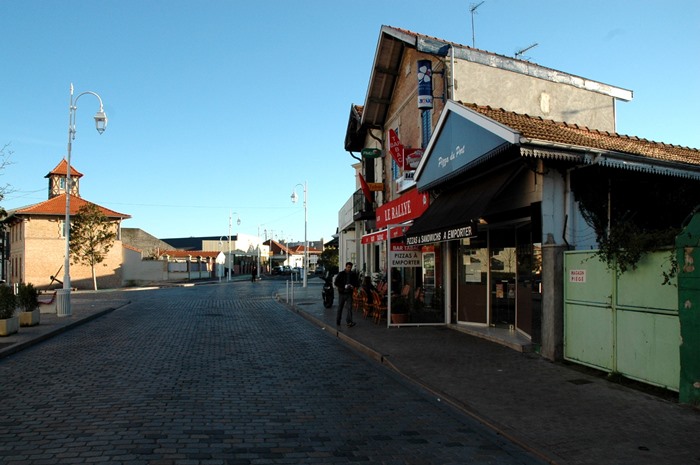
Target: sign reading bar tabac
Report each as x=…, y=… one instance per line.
x=409, y=206
x=402, y=255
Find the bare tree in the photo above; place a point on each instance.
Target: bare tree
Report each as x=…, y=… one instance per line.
x=5, y=154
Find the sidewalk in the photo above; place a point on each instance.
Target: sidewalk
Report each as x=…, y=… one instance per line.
x=84, y=307
x=562, y=413
x=559, y=412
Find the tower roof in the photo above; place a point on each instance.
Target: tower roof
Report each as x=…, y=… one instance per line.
x=62, y=170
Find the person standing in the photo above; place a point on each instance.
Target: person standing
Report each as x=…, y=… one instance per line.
x=346, y=282
x=254, y=273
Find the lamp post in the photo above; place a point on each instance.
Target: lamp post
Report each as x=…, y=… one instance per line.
x=221, y=265
x=258, y=254
x=63, y=305
x=306, y=223
x=230, y=259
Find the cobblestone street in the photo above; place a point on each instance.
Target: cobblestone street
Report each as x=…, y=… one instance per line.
x=222, y=374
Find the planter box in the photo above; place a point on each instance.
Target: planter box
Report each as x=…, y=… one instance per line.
x=30, y=318
x=9, y=326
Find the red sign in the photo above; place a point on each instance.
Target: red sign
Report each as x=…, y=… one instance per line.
x=407, y=207
x=412, y=158
x=380, y=236
x=396, y=148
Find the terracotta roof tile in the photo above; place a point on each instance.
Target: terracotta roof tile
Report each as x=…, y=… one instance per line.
x=189, y=253
x=57, y=206
x=575, y=135
x=62, y=169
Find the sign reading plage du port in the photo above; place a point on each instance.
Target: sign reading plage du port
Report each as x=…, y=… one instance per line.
x=402, y=255
x=577, y=276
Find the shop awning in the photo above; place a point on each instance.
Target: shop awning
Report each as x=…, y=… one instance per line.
x=455, y=214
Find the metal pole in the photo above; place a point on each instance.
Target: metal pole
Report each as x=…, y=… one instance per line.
x=258, y=257
x=230, y=268
x=306, y=241
x=63, y=304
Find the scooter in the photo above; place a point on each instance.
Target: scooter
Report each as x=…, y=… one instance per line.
x=328, y=292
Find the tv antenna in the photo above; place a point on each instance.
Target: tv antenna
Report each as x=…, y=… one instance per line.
x=472, y=10
x=519, y=53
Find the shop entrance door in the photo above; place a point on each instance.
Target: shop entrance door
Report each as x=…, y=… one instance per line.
x=516, y=264
x=503, y=263
x=472, y=281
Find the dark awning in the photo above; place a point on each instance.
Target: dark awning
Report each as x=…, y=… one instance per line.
x=455, y=213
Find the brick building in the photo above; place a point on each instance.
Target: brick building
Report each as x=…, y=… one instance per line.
x=35, y=239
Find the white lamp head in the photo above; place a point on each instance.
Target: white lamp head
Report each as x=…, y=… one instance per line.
x=100, y=121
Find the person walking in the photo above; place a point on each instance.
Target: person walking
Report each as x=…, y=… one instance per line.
x=254, y=273
x=346, y=282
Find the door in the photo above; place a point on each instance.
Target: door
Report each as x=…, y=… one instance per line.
x=472, y=276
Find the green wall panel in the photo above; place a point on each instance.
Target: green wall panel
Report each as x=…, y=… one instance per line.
x=588, y=335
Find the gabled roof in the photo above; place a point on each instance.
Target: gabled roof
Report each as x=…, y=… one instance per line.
x=62, y=170
x=275, y=246
x=299, y=249
x=542, y=138
x=393, y=41
x=56, y=206
x=573, y=135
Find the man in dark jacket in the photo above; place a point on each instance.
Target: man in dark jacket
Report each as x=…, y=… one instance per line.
x=346, y=282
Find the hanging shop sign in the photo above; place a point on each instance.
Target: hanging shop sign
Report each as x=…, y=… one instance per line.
x=371, y=153
x=402, y=255
x=412, y=158
x=396, y=148
x=425, y=84
x=404, y=208
x=375, y=186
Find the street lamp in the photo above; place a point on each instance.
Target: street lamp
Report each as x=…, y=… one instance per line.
x=259, y=252
x=63, y=306
x=230, y=263
x=306, y=223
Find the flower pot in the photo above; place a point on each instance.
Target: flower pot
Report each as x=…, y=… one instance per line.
x=399, y=318
x=30, y=318
x=9, y=326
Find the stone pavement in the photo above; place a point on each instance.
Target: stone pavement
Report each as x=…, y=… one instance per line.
x=563, y=413
x=560, y=413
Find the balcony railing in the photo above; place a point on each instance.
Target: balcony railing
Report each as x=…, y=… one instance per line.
x=362, y=209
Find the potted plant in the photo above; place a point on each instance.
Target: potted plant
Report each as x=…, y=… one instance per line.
x=399, y=309
x=28, y=304
x=9, y=323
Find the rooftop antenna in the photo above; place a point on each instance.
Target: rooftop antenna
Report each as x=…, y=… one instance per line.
x=519, y=53
x=472, y=9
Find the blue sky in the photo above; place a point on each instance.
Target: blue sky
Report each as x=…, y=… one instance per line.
x=224, y=106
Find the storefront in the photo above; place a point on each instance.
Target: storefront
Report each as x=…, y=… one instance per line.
x=484, y=225
x=414, y=289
